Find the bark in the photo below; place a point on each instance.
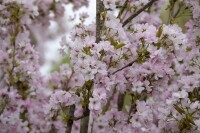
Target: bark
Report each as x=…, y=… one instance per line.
x=99, y=25
x=70, y=112
x=99, y=22
x=120, y=101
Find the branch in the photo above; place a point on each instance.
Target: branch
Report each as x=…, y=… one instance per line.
x=70, y=112
x=120, y=101
x=80, y=117
x=138, y=12
x=2, y=77
x=85, y=121
x=123, y=8
x=86, y=113
x=126, y=22
x=99, y=23
x=128, y=65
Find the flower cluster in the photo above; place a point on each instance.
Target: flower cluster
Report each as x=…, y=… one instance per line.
x=23, y=92
x=129, y=72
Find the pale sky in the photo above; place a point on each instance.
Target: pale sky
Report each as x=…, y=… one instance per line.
x=51, y=47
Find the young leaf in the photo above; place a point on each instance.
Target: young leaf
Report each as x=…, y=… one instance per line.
x=159, y=33
x=112, y=41
x=120, y=46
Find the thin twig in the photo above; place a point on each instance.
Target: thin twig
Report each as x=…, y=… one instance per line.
x=126, y=22
x=128, y=65
x=138, y=12
x=2, y=77
x=68, y=80
x=123, y=8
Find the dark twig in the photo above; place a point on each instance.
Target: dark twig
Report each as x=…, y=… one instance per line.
x=123, y=8
x=127, y=21
x=138, y=12
x=1, y=78
x=128, y=65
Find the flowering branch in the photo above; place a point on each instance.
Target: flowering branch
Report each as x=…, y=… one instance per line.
x=137, y=13
x=126, y=22
x=157, y=82
x=86, y=113
x=128, y=65
x=99, y=23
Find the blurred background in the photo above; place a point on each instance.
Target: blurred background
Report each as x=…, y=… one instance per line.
x=52, y=57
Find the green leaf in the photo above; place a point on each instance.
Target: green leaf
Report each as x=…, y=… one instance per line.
x=15, y=64
x=147, y=54
x=87, y=51
x=181, y=111
x=112, y=41
x=102, y=52
x=188, y=49
x=160, y=30
x=64, y=117
x=120, y=46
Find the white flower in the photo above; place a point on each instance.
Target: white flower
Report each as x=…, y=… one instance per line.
x=194, y=105
x=197, y=122
x=135, y=123
x=138, y=87
x=180, y=94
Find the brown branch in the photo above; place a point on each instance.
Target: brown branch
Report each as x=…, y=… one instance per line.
x=123, y=8
x=68, y=80
x=80, y=117
x=2, y=77
x=99, y=23
x=137, y=13
x=120, y=101
x=85, y=120
x=70, y=112
x=126, y=22
x=128, y=65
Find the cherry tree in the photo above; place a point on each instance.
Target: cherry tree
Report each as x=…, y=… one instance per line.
x=129, y=72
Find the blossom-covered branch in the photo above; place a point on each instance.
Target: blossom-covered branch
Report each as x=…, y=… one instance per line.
x=138, y=12
x=144, y=77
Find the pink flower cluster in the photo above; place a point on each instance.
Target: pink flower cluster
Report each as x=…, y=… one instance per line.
x=141, y=77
